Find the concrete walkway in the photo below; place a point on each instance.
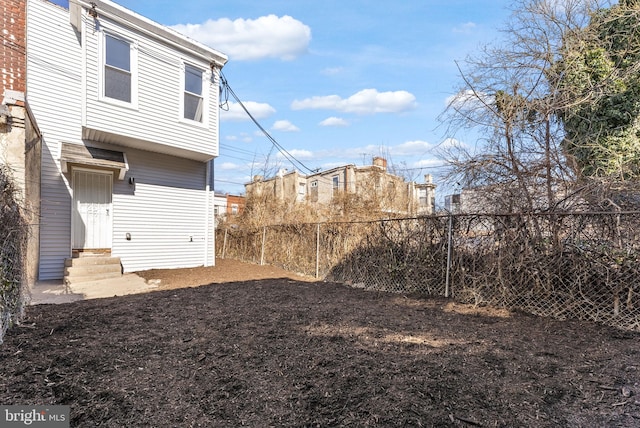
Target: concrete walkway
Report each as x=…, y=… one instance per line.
x=55, y=292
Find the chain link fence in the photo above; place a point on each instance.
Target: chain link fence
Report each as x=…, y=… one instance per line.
x=562, y=265
x=13, y=239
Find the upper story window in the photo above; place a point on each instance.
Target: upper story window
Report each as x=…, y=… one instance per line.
x=422, y=197
x=193, y=96
x=336, y=182
x=118, y=71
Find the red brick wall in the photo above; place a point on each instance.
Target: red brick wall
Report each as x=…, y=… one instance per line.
x=233, y=199
x=13, y=70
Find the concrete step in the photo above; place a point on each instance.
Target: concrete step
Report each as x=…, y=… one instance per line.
x=91, y=261
x=86, y=269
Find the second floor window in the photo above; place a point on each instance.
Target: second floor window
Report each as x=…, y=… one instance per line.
x=193, y=102
x=336, y=182
x=117, y=69
x=422, y=197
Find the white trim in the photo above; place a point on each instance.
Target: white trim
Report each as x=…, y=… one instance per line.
x=146, y=26
x=206, y=83
x=73, y=202
x=102, y=60
x=83, y=78
x=207, y=214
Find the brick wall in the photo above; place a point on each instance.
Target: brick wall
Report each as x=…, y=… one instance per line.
x=12, y=45
x=238, y=201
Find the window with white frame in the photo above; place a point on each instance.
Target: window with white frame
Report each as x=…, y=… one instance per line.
x=118, y=70
x=193, y=96
x=422, y=197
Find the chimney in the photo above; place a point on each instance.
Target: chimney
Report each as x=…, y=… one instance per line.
x=380, y=162
x=428, y=179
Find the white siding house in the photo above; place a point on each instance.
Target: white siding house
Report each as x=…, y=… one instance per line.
x=128, y=110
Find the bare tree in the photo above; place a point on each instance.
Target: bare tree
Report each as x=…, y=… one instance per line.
x=510, y=96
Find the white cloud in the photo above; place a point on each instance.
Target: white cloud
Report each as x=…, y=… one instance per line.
x=332, y=71
x=416, y=147
x=468, y=99
x=299, y=154
x=367, y=101
x=465, y=28
x=334, y=121
x=235, y=112
x=250, y=39
x=452, y=142
x=243, y=137
x=285, y=126
x=228, y=166
x=426, y=163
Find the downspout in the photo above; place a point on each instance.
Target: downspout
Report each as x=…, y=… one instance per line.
x=207, y=214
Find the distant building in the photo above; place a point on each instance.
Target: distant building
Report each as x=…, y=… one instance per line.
x=226, y=206
x=452, y=203
x=501, y=199
x=372, y=185
x=219, y=208
x=235, y=204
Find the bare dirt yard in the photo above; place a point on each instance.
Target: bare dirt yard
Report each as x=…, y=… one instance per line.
x=259, y=347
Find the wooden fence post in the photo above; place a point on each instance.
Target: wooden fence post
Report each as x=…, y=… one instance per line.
x=264, y=237
x=449, y=245
x=317, y=250
x=224, y=242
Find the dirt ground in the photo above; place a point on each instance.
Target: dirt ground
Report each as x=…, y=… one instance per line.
x=259, y=347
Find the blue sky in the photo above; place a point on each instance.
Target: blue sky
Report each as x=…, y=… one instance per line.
x=334, y=82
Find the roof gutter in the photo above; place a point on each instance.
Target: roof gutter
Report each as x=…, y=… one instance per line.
x=148, y=27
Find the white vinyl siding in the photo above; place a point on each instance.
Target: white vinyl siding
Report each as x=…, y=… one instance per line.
x=168, y=212
x=54, y=94
x=164, y=212
x=157, y=115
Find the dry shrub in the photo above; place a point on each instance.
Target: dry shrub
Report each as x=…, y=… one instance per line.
x=560, y=265
x=13, y=235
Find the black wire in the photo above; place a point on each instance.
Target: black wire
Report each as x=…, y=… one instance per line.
x=226, y=91
x=13, y=45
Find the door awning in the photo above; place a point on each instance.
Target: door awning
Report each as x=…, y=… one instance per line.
x=79, y=154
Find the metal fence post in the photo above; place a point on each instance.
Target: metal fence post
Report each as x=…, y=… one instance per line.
x=449, y=245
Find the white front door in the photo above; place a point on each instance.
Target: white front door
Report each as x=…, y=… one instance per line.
x=92, y=223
